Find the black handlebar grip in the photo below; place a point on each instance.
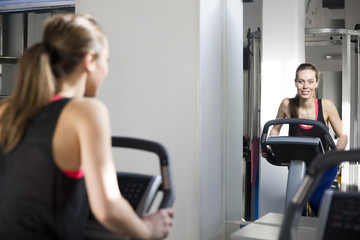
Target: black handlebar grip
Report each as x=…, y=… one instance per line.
x=167, y=184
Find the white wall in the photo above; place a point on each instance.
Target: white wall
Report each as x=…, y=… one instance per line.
x=152, y=88
x=283, y=50
x=166, y=84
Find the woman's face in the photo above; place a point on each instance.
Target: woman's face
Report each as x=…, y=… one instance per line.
x=306, y=83
x=96, y=78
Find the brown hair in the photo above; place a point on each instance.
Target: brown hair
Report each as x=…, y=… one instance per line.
x=295, y=102
x=66, y=40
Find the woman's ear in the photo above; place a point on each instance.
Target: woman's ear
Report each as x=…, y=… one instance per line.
x=90, y=61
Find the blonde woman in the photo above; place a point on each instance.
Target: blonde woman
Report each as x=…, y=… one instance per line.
x=55, y=138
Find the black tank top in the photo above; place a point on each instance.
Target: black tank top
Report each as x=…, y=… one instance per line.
x=299, y=130
x=37, y=201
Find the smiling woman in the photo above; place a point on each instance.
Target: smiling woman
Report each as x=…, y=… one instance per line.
x=305, y=105
x=306, y=82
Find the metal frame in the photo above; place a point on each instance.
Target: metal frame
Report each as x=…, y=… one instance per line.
x=11, y=10
x=254, y=102
x=350, y=85
x=344, y=37
x=34, y=5
x=254, y=89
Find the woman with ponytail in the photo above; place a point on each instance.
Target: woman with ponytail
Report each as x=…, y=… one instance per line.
x=56, y=160
x=305, y=105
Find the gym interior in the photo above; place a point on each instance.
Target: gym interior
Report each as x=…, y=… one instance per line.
x=203, y=78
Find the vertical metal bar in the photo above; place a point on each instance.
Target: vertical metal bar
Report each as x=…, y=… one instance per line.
x=249, y=197
x=254, y=98
x=25, y=31
x=355, y=166
x=350, y=117
x=254, y=85
x=357, y=99
x=256, y=91
x=346, y=88
x=252, y=47
x=345, y=109
x=13, y=31
x=251, y=85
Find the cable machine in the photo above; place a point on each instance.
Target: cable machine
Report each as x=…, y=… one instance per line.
x=252, y=141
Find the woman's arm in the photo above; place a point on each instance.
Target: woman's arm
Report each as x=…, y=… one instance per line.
x=106, y=202
x=283, y=109
x=275, y=130
x=336, y=123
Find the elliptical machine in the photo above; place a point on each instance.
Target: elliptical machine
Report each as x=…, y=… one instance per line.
x=296, y=153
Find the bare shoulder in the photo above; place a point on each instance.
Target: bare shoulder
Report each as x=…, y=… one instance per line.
x=285, y=102
x=284, y=105
x=328, y=106
x=89, y=110
x=329, y=110
x=88, y=103
x=88, y=106
x=283, y=110
x=327, y=103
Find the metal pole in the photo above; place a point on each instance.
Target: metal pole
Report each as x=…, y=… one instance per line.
x=357, y=74
x=254, y=84
x=253, y=100
x=346, y=88
x=256, y=75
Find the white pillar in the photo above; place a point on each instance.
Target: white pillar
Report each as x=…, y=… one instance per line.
x=283, y=50
x=233, y=110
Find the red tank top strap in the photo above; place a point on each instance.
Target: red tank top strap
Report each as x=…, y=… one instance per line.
x=56, y=97
x=74, y=174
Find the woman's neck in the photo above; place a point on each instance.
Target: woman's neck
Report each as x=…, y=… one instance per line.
x=72, y=86
x=307, y=103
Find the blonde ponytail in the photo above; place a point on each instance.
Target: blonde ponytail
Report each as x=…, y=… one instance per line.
x=35, y=85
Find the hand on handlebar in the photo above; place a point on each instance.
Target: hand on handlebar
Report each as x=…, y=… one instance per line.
x=264, y=154
x=159, y=223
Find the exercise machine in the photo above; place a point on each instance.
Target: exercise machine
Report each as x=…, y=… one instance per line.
x=139, y=189
x=293, y=152
x=339, y=211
